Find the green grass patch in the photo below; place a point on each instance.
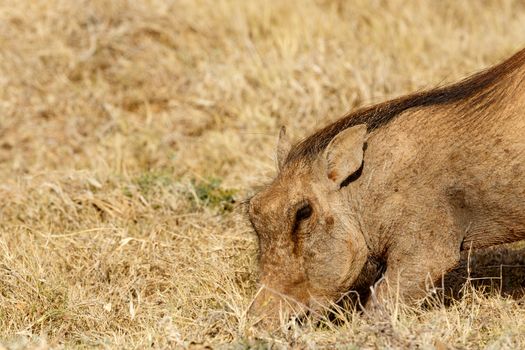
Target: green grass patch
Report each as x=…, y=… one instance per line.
x=149, y=181
x=211, y=193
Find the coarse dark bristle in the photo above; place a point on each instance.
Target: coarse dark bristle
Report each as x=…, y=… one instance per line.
x=381, y=114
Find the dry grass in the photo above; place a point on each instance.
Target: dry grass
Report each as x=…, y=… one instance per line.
x=128, y=127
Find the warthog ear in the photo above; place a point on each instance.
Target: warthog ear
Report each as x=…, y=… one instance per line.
x=283, y=147
x=344, y=154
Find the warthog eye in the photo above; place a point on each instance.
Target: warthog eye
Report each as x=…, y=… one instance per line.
x=303, y=213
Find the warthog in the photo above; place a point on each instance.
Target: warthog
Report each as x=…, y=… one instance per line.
x=389, y=195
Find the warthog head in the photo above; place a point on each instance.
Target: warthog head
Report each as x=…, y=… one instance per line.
x=311, y=249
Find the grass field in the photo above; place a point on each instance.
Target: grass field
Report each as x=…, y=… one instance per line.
x=130, y=131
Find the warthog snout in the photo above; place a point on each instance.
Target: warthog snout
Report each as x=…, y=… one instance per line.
x=271, y=308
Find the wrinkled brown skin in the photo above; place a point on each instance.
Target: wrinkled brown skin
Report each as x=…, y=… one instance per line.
x=435, y=180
